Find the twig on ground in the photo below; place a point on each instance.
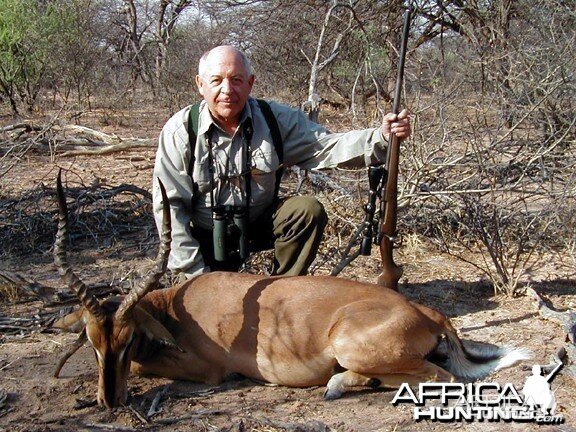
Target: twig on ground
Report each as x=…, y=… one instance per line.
x=3, y=412
x=312, y=426
x=85, y=403
x=138, y=414
x=154, y=407
x=110, y=426
x=197, y=415
x=566, y=319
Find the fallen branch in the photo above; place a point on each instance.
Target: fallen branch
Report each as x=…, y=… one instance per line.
x=100, y=210
x=27, y=126
x=20, y=142
x=17, y=325
x=111, y=148
x=3, y=411
x=63, y=137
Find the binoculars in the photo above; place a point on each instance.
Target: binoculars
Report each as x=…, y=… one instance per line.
x=230, y=232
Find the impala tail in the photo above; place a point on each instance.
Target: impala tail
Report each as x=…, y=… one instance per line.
x=475, y=360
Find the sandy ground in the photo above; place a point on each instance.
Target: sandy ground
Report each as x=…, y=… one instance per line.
x=31, y=399
x=37, y=401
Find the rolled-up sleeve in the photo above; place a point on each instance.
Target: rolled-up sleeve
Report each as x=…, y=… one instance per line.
x=311, y=146
x=171, y=167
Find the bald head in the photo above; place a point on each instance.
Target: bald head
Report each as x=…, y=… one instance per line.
x=223, y=51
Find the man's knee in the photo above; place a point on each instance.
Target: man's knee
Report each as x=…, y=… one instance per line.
x=298, y=228
x=309, y=208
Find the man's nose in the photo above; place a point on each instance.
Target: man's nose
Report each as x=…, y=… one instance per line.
x=226, y=86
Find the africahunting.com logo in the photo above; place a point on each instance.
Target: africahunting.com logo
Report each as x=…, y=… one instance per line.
x=452, y=402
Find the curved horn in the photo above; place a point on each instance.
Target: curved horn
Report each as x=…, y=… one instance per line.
x=74, y=282
x=160, y=264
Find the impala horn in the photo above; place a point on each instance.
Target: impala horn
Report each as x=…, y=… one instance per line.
x=66, y=273
x=151, y=280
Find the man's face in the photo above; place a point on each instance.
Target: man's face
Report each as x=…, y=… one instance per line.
x=225, y=85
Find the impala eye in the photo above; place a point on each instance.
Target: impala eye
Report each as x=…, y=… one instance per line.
x=127, y=347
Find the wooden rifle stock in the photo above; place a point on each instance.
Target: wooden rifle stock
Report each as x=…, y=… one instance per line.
x=391, y=272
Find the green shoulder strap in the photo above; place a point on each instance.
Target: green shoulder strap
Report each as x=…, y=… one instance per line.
x=270, y=121
x=193, y=133
x=276, y=141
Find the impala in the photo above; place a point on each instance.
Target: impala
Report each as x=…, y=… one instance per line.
x=295, y=331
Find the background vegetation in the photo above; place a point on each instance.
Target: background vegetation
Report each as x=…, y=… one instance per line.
x=489, y=175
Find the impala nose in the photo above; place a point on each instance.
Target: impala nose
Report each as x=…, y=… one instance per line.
x=112, y=389
x=112, y=400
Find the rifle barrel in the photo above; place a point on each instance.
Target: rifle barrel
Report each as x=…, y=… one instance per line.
x=401, y=62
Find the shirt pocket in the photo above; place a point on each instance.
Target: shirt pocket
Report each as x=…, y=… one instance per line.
x=264, y=167
x=201, y=175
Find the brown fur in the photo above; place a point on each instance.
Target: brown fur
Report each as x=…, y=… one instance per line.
x=293, y=331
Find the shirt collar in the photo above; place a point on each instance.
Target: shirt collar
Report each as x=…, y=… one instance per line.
x=206, y=121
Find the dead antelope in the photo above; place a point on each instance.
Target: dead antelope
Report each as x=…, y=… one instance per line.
x=294, y=331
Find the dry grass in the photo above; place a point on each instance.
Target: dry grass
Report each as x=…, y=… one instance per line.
x=9, y=292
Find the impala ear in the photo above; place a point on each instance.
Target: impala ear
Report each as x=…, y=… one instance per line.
x=73, y=322
x=153, y=329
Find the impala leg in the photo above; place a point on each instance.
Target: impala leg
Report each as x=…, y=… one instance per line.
x=342, y=382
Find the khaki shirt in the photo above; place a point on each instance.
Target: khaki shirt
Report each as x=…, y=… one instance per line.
x=306, y=144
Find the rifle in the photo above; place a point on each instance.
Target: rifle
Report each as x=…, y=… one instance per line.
x=391, y=272
x=382, y=180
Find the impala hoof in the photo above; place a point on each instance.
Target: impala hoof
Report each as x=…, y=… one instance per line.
x=331, y=394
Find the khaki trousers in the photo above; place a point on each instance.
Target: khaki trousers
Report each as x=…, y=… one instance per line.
x=293, y=227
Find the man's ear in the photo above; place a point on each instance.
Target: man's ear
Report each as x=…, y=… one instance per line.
x=73, y=322
x=251, y=80
x=200, y=84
